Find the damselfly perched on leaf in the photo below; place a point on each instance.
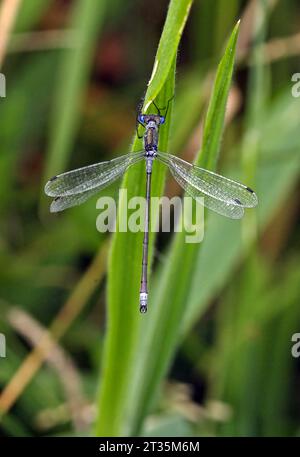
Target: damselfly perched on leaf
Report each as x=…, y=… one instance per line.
x=220, y=194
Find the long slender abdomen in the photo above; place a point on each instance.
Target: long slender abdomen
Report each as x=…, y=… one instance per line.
x=144, y=278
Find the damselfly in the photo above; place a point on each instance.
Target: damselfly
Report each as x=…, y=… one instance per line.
x=220, y=194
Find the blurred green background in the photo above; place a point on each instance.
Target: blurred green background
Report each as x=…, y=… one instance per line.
x=75, y=71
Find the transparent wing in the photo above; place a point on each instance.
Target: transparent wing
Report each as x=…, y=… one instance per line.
x=94, y=176
x=67, y=201
x=219, y=206
x=209, y=184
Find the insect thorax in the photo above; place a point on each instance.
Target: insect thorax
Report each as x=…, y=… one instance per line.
x=151, y=136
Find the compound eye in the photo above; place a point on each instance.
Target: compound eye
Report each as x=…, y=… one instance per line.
x=161, y=119
x=141, y=118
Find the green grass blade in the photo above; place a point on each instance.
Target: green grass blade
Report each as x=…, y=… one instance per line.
x=225, y=17
x=160, y=335
x=73, y=73
x=274, y=179
x=167, y=50
x=214, y=122
x=124, y=318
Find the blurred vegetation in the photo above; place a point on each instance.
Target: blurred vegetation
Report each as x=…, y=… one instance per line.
x=213, y=355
